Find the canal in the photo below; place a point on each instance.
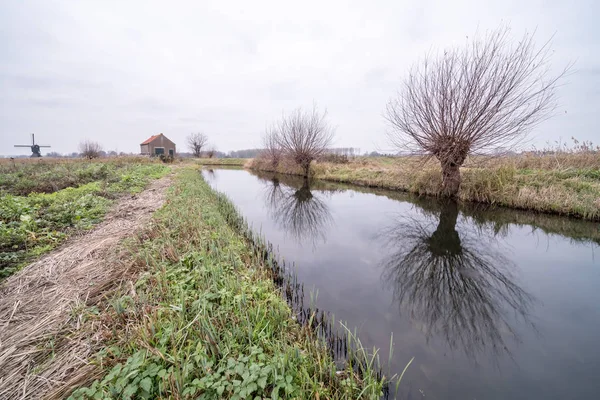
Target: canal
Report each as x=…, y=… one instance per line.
x=491, y=303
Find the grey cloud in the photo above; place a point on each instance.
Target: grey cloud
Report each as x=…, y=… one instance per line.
x=284, y=90
x=22, y=81
x=228, y=69
x=380, y=77
x=151, y=105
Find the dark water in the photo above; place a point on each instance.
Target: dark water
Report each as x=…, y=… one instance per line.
x=492, y=304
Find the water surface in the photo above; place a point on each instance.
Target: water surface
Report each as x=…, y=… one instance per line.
x=492, y=304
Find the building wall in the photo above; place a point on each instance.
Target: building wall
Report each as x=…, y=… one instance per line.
x=163, y=142
x=144, y=149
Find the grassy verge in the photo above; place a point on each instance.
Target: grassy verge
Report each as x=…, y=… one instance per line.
x=36, y=223
x=240, y=162
x=566, y=185
x=206, y=319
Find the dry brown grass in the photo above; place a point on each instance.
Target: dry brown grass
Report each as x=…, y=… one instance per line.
x=546, y=161
x=218, y=161
x=45, y=338
x=561, y=183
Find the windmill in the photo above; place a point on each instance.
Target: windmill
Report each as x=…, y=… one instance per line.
x=35, y=148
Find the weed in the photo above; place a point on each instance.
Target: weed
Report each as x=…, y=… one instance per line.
x=208, y=321
x=33, y=224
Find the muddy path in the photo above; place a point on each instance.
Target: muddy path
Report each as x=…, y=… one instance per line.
x=44, y=340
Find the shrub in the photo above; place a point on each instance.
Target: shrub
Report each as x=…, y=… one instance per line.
x=90, y=149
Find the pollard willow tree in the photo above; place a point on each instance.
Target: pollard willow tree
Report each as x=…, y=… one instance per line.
x=472, y=100
x=196, y=142
x=304, y=136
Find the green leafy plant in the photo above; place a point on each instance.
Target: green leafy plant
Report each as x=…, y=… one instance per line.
x=35, y=223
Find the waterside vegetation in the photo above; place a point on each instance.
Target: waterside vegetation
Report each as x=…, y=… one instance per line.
x=206, y=318
x=563, y=182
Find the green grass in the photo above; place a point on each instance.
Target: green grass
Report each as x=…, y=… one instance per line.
x=206, y=320
x=569, y=187
x=36, y=223
x=50, y=175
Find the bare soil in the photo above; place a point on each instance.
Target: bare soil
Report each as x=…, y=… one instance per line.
x=45, y=341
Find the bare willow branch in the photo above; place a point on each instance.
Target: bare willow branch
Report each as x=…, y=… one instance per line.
x=271, y=151
x=304, y=136
x=196, y=141
x=485, y=96
x=90, y=149
x=211, y=151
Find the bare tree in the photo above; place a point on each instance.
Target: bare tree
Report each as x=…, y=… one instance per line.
x=304, y=136
x=487, y=95
x=90, y=149
x=196, y=141
x=212, y=150
x=272, y=151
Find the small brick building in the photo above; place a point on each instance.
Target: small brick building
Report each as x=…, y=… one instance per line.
x=156, y=145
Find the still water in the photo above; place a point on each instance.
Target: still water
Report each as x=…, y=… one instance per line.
x=492, y=304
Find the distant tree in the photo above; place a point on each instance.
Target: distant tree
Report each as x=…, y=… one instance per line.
x=210, y=153
x=304, y=136
x=246, y=153
x=196, y=141
x=89, y=149
x=54, y=154
x=272, y=150
x=344, y=151
x=486, y=95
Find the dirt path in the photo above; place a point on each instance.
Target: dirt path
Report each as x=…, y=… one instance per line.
x=41, y=320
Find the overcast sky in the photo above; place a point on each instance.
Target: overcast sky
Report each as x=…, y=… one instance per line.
x=119, y=71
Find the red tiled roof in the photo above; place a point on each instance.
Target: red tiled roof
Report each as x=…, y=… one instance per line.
x=151, y=138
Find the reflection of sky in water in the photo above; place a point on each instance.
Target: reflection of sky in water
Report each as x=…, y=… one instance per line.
x=552, y=351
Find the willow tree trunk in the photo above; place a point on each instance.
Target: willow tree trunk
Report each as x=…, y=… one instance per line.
x=305, y=168
x=450, y=179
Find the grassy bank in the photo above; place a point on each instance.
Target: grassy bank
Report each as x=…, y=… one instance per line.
x=42, y=203
x=566, y=184
x=205, y=320
x=239, y=162
x=497, y=218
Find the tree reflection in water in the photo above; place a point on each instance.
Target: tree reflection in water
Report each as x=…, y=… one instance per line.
x=296, y=210
x=456, y=285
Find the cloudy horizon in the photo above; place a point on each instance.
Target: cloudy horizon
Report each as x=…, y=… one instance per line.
x=120, y=72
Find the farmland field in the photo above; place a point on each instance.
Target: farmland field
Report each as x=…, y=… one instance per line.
x=172, y=296
x=42, y=201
